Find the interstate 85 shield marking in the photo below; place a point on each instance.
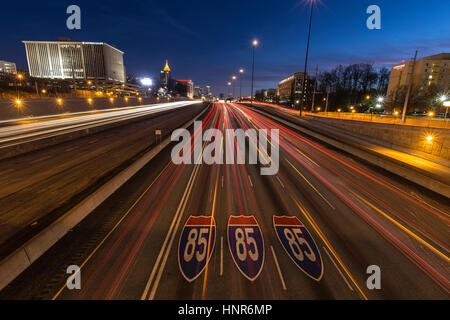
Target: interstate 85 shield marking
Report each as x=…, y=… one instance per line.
x=246, y=245
x=196, y=245
x=299, y=245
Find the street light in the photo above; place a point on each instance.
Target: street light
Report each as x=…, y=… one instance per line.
x=254, y=44
x=233, y=78
x=20, y=77
x=241, y=71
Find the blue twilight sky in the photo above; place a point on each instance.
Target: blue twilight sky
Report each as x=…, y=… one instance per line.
x=208, y=41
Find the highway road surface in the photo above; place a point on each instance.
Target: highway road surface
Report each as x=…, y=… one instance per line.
x=39, y=186
x=200, y=231
x=31, y=129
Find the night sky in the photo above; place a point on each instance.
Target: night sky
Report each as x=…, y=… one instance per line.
x=208, y=41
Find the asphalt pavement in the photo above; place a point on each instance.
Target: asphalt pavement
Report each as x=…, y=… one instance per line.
x=224, y=231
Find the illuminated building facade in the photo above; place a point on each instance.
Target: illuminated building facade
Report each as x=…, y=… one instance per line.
x=432, y=70
x=164, y=78
x=74, y=60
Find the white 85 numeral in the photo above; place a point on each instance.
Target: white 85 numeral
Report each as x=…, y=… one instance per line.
x=192, y=243
x=241, y=248
x=295, y=242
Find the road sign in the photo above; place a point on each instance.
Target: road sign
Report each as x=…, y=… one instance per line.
x=246, y=245
x=196, y=246
x=299, y=245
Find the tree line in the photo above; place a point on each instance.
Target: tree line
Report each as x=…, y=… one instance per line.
x=355, y=85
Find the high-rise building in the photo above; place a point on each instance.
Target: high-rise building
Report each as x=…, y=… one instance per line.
x=432, y=70
x=8, y=67
x=74, y=60
x=164, y=78
x=185, y=88
x=198, y=92
x=291, y=90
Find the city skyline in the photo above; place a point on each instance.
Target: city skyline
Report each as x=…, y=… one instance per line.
x=184, y=39
x=217, y=159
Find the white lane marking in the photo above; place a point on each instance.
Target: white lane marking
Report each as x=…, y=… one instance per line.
x=40, y=159
x=168, y=241
x=167, y=245
x=278, y=268
x=221, y=256
x=251, y=183
x=339, y=270
x=93, y=141
x=280, y=181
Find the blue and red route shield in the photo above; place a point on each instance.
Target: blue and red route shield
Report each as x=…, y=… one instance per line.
x=299, y=245
x=196, y=245
x=246, y=245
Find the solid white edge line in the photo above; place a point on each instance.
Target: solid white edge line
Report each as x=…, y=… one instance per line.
x=278, y=268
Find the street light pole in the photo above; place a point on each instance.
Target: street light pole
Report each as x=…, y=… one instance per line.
x=306, y=58
x=405, y=106
x=254, y=44
x=241, y=71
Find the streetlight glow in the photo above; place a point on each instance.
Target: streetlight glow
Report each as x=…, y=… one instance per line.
x=146, y=81
x=255, y=43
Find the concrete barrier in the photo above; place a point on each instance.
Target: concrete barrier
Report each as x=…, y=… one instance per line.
x=399, y=137
x=30, y=108
x=43, y=142
x=23, y=257
x=421, y=177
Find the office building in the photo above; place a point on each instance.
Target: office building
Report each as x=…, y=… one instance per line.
x=185, y=88
x=8, y=67
x=75, y=60
x=290, y=89
x=165, y=75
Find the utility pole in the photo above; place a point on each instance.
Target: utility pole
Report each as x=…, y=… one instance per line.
x=315, y=88
x=405, y=107
x=328, y=98
x=306, y=58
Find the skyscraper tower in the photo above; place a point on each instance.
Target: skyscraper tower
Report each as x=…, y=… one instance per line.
x=165, y=76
